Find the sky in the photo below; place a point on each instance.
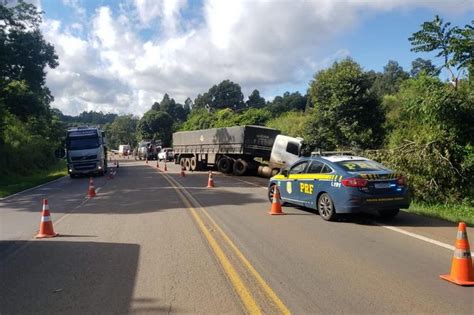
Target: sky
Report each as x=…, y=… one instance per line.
x=121, y=56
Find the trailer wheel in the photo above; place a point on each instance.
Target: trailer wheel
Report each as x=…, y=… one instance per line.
x=225, y=165
x=240, y=167
x=187, y=164
x=193, y=163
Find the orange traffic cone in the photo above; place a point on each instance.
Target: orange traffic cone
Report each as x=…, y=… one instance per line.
x=91, y=191
x=210, y=181
x=146, y=161
x=46, y=225
x=462, y=271
x=165, y=169
x=157, y=164
x=276, y=204
x=183, y=174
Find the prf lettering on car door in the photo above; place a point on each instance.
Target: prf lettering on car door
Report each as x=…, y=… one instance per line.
x=306, y=188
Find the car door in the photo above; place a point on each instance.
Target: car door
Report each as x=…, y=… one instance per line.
x=321, y=175
x=290, y=189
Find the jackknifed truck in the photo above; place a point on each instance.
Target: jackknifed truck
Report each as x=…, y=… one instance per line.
x=238, y=150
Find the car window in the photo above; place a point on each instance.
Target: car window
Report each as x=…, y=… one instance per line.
x=361, y=166
x=315, y=167
x=292, y=147
x=299, y=168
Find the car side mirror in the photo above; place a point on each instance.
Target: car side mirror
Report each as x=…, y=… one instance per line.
x=284, y=172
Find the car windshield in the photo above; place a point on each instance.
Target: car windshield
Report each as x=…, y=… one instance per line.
x=82, y=143
x=361, y=166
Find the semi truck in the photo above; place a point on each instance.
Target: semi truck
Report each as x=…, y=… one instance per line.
x=238, y=150
x=86, y=151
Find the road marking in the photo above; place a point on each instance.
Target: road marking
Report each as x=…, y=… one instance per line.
x=266, y=288
x=243, y=292
x=417, y=236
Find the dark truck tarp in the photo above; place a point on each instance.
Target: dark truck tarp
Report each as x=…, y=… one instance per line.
x=250, y=140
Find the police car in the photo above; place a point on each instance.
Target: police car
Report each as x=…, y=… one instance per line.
x=337, y=184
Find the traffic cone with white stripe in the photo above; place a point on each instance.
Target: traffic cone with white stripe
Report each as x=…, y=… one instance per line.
x=157, y=164
x=46, y=225
x=276, y=203
x=462, y=271
x=91, y=192
x=210, y=181
x=182, y=174
x=165, y=169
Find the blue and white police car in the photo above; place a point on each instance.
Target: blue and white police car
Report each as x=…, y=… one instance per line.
x=338, y=184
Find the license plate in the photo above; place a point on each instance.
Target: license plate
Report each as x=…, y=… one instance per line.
x=381, y=185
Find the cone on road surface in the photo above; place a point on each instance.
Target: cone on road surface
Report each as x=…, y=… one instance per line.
x=91, y=191
x=210, y=181
x=116, y=163
x=146, y=161
x=157, y=164
x=276, y=203
x=462, y=271
x=46, y=224
x=165, y=169
x=182, y=174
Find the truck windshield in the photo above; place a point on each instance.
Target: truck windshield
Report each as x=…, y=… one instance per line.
x=82, y=143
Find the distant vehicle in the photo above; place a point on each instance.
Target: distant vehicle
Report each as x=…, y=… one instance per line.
x=236, y=150
x=166, y=154
x=338, y=184
x=124, y=150
x=147, y=150
x=86, y=151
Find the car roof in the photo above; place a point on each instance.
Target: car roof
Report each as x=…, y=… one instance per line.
x=341, y=158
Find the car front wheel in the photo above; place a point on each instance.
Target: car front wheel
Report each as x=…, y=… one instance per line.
x=326, y=207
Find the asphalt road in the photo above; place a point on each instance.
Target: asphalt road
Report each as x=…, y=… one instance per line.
x=155, y=242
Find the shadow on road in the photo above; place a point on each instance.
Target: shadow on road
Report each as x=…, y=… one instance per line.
x=56, y=276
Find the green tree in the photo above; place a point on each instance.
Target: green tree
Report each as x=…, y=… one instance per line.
x=389, y=81
x=156, y=125
x=420, y=65
x=199, y=118
x=255, y=100
x=453, y=44
x=288, y=102
x=122, y=131
x=226, y=94
x=25, y=55
x=346, y=114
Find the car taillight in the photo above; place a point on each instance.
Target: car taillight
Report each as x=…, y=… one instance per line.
x=402, y=181
x=354, y=182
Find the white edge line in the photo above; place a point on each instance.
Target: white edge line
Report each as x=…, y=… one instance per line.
x=33, y=188
x=420, y=237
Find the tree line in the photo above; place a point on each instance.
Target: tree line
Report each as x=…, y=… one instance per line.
x=409, y=120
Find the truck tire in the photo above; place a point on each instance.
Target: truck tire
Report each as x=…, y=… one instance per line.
x=225, y=165
x=240, y=167
x=264, y=171
x=187, y=164
x=193, y=164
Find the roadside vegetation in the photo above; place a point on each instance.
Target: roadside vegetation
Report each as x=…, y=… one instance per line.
x=410, y=120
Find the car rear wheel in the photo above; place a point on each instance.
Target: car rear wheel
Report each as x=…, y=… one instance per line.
x=271, y=193
x=326, y=207
x=388, y=213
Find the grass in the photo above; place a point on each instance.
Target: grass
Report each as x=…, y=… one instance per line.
x=12, y=183
x=451, y=212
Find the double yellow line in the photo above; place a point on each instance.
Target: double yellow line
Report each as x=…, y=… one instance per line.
x=243, y=292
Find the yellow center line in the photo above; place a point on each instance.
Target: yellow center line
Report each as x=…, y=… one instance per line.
x=239, y=286
x=266, y=288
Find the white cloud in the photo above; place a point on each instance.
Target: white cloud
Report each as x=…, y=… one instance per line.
x=106, y=64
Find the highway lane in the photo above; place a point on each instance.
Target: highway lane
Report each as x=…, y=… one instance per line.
x=138, y=248
x=316, y=266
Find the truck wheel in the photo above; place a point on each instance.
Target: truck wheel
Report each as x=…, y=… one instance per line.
x=193, y=163
x=326, y=207
x=240, y=167
x=225, y=165
x=187, y=164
